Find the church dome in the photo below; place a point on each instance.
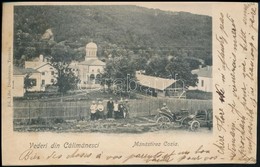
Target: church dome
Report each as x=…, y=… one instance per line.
x=91, y=45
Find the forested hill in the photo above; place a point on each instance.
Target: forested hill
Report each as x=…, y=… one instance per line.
x=131, y=28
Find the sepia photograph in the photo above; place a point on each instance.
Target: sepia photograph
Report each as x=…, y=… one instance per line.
x=111, y=69
x=113, y=83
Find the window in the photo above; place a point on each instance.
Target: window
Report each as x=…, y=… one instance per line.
x=52, y=73
x=202, y=83
x=52, y=80
x=32, y=82
x=92, y=77
x=43, y=73
x=43, y=82
x=92, y=70
x=98, y=79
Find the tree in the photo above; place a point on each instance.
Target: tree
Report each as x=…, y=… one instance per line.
x=208, y=61
x=193, y=63
x=66, y=80
x=118, y=71
x=28, y=82
x=181, y=69
x=62, y=56
x=156, y=66
x=139, y=62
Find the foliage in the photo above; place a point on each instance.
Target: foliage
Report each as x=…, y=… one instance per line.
x=156, y=67
x=28, y=83
x=62, y=56
x=118, y=71
x=118, y=30
x=180, y=69
x=173, y=67
x=136, y=38
x=66, y=80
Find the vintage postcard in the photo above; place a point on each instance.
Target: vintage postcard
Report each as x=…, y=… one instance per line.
x=129, y=83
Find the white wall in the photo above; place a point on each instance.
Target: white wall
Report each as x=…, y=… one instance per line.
x=18, y=86
x=94, y=69
x=205, y=86
x=50, y=73
x=86, y=71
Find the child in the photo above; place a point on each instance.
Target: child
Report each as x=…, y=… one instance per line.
x=100, y=109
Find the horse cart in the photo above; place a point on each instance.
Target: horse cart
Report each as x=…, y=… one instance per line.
x=166, y=119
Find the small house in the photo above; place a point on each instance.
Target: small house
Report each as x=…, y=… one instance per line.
x=204, y=79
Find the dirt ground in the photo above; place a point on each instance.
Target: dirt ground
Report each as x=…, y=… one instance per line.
x=131, y=125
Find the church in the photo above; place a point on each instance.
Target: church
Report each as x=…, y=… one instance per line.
x=89, y=71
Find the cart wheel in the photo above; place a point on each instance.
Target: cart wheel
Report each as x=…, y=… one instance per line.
x=157, y=116
x=163, y=122
x=195, y=125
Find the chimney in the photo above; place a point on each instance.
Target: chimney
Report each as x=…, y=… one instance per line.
x=41, y=58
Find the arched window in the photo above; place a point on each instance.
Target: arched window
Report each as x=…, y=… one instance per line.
x=98, y=79
x=92, y=77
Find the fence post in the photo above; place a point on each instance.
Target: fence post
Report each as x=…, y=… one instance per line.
x=149, y=107
x=65, y=110
x=29, y=112
x=77, y=110
x=46, y=115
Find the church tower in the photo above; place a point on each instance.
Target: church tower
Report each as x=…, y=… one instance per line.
x=91, y=51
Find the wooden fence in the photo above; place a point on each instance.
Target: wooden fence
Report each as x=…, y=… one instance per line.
x=33, y=109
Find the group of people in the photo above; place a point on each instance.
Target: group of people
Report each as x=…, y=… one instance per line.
x=115, y=109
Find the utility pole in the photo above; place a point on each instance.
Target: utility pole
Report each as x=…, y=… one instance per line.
x=175, y=81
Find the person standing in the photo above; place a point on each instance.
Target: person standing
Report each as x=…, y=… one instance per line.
x=116, y=109
x=121, y=109
x=126, y=109
x=93, y=109
x=110, y=108
x=100, y=109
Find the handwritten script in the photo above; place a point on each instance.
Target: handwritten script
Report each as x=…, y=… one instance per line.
x=235, y=87
x=198, y=154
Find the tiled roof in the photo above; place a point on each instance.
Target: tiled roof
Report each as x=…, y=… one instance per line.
x=43, y=64
x=154, y=82
x=203, y=72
